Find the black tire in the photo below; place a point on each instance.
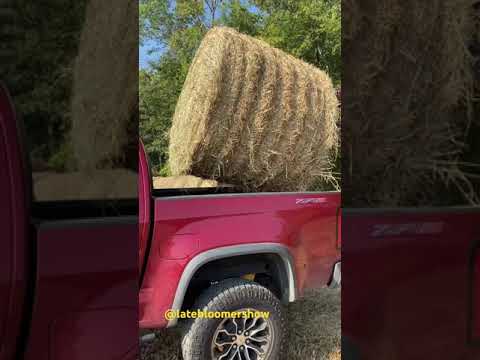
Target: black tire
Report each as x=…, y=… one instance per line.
x=349, y=350
x=231, y=295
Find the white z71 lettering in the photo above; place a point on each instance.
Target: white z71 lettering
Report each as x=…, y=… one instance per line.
x=425, y=228
x=310, y=201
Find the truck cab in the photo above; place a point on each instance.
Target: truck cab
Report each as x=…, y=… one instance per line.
x=219, y=248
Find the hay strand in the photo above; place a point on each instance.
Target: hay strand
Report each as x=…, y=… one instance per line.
x=183, y=182
x=408, y=94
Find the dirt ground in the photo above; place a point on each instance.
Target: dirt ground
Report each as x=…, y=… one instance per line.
x=313, y=331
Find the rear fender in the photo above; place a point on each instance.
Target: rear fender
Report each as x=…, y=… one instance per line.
x=230, y=251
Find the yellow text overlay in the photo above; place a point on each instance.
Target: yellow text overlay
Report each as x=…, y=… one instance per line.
x=204, y=314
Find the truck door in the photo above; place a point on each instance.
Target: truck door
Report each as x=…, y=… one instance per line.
x=14, y=195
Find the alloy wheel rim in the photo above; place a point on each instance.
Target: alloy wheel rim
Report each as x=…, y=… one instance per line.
x=242, y=338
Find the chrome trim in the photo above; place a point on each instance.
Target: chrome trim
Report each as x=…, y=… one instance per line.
x=230, y=251
x=336, y=281
x=148, y=338
x=243, y=195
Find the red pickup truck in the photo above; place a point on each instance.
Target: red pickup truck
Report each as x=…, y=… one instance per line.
x=218, y=250
x=411, y=284
x=68, y=269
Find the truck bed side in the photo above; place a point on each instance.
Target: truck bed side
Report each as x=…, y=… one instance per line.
x=302, y=226
x=407, y=284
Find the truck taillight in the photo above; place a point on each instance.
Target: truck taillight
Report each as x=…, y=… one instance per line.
x=476, y=296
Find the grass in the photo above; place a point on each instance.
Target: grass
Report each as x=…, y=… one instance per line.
x=313, y=331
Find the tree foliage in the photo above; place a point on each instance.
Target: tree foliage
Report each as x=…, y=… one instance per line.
x=39, y=76
x=308, y=29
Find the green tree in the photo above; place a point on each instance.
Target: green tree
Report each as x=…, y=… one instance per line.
x=240, y=17
x=40, y=74
x=159, y=90
x=307, y=29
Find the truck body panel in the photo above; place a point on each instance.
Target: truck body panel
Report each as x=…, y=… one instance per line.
x=187, y=226
x=408, y=291
x=14, y=254
x=83, y=296
x=69, y=269
x=144, y=206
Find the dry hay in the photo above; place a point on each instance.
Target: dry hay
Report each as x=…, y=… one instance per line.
x=105, y=89
x=179, y=182
x=473, y=154
x=91, y=185
x=253, y=116
x=407, y=99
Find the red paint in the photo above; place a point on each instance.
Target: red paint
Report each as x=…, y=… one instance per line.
x=144, y=199
x=339, y=229
x=476, y=294
x=82, y=300
x=14, y=244
x=187, y=226
x=86, y=281
x=406, y=283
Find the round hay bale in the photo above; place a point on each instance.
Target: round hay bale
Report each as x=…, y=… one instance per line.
x=407, y=95
x=253, y=116
x=182, y=182
x=105, y=87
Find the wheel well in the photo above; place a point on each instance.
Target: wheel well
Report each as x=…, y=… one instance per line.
x=269, y=271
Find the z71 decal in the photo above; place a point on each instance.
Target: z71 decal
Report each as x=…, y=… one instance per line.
x=310, y=201
x=424, y=228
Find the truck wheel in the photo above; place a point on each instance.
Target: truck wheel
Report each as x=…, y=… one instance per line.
x=245, y=338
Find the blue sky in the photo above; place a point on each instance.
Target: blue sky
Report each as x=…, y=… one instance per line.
x=145, y=57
